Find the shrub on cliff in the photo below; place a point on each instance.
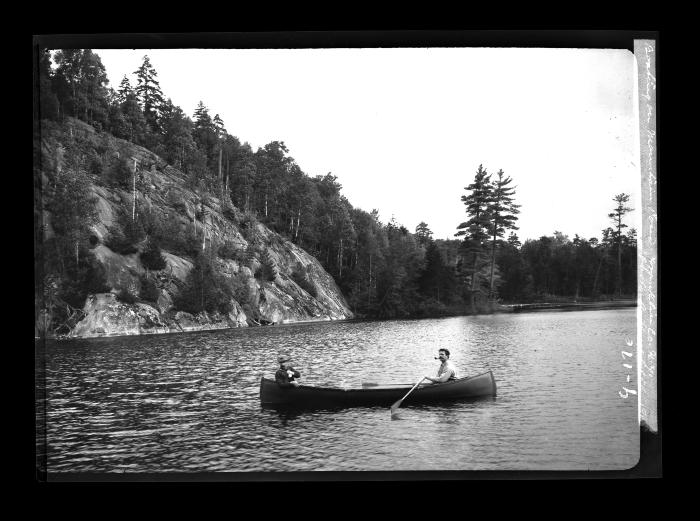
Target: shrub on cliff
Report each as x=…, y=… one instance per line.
x=300, y=276
x=205, y=289
x=175, y=199
x=241, y=291
x=125, y=233
x=229, y=250
x=119, y=173
x=118, y=242
x=126, y=296
x=151, y=256
x=149, y=289
x=176, y=238
x=78, y=281
x=267, y=270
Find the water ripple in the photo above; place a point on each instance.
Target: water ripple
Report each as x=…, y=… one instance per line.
x=189, y=402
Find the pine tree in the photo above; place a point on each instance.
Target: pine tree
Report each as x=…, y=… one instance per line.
x=616, y=216
x=48, y=102
x=177, y=136
x=268, y=267
x=125, y=90
x=502, y=214
x=423, y=233
x=149, y=94
x=220, y=138
x=204, y=133
x=476, y=229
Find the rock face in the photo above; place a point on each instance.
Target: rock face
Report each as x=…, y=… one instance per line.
x=162, y=192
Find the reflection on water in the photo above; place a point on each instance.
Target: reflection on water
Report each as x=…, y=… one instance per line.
x=190, y=402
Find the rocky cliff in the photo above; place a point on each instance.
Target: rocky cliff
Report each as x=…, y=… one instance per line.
x=163, y=193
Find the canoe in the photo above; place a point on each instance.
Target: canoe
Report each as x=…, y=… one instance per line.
x=306, y=396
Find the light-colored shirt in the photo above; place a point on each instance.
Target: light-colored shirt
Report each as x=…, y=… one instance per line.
x=446, y=371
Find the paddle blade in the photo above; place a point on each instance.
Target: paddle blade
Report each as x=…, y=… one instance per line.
x=395, y=407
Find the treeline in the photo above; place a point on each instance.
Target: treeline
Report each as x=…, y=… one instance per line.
x=383, y=269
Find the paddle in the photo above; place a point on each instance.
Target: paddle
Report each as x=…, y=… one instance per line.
x=397, y=404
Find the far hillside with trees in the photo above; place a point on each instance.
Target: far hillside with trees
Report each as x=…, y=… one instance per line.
x=383, y=269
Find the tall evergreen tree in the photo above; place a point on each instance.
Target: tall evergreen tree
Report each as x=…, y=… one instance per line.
x=149, y=94
x=476, y=229
x=204, y=134
x=502, y=212
x=125, y=90
x=135, y=122
x=178, y=143
x=48, y=102
x=220, y=131
x=423, y=233
x=617, y=238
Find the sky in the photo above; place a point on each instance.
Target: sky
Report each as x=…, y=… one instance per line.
x=404, y=130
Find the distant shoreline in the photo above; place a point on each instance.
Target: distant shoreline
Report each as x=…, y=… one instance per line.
x=568, y=306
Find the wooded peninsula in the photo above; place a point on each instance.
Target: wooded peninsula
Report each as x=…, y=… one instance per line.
x=383, y=270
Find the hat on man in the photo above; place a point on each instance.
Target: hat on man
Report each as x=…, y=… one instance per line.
x=283, y=358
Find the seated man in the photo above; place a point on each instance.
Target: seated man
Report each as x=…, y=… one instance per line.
x=286, y=374
x=446, y=371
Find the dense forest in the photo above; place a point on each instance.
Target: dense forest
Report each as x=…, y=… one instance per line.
x=383, y=269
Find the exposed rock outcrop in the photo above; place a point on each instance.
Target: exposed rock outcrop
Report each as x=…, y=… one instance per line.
x=162, y=192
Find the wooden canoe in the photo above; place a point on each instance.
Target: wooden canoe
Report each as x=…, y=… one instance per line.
x=305, y=396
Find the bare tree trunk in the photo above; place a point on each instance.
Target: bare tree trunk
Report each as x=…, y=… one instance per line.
x=204, y=233
x=340, y=258
x=133, y=206
x=493, y=261
x=597, y=273
x=369, y=285
x=220, y=151
x=619, y=266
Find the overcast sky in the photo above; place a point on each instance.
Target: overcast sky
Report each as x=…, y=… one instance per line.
x=404, y=130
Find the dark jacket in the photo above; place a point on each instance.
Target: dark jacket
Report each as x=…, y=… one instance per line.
x=282, y=377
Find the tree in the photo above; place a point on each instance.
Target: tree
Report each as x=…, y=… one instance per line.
x=204, y=132
x=429, y=282
x=149, y=94
x=48, y=102
x=151, y=256
x=476, y=229
x=135, y=122
x=268, y=268
x=178, y=144
x=66, y=79
x=80, y=85
x=125, y=90
x=220, y=132
x=72, y=205
x=423, y=233
x=502, y=212
x=243, y=185
x=205, y=289
x=616, y=216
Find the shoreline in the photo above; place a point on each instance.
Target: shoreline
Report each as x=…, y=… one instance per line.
x=503, y=308
x=570, y=306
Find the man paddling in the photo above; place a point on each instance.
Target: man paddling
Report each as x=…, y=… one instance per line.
x=446, y=371
x=286, y=374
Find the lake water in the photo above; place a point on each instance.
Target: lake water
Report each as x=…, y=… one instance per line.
x=190, y=402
